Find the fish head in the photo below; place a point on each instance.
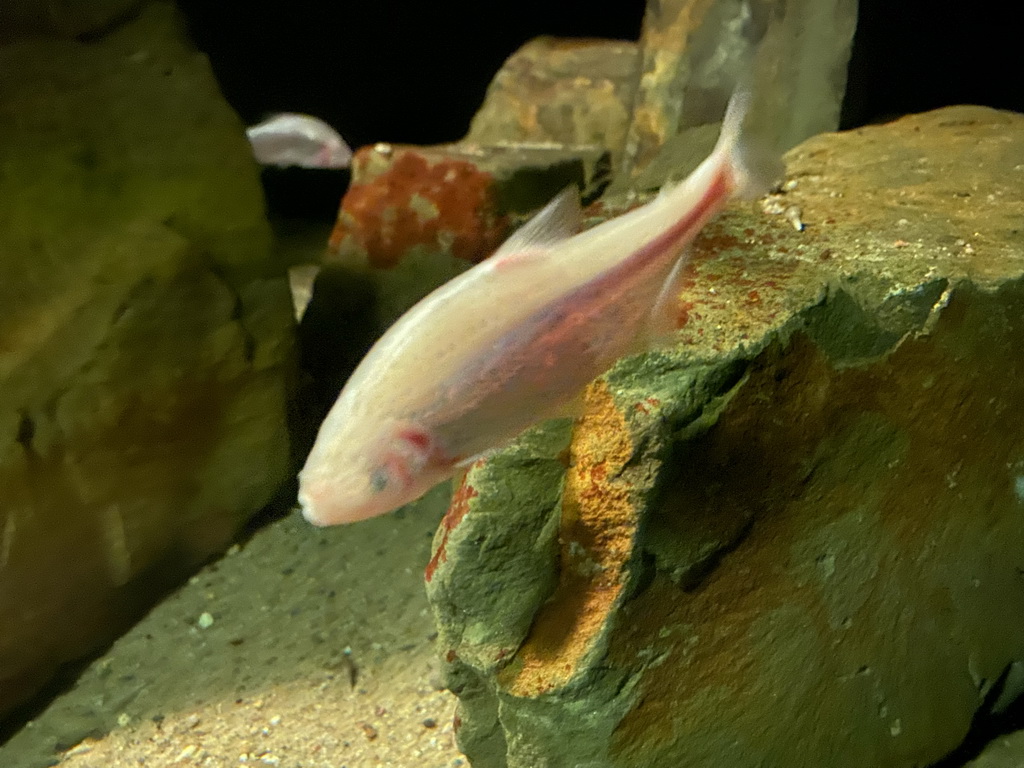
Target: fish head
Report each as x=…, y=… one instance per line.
x=344, y=481
x=333, y=153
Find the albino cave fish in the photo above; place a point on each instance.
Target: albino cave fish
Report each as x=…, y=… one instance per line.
x=515, y=339
x=290, y=139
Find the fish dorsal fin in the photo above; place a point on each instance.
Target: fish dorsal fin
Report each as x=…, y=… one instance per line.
x=559, y=220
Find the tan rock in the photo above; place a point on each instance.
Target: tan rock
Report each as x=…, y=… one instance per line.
x=567, y=92
x=795, y=538
x=694, y=51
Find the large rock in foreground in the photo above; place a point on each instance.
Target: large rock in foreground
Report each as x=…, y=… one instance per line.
x=797, y=539
x=144, y=349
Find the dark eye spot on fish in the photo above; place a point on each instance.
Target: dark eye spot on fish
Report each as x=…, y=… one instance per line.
x=379, y=480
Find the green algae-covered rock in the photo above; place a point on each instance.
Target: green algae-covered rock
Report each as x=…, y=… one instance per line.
x=795, y=538
x=145, y=338
x=530, y=472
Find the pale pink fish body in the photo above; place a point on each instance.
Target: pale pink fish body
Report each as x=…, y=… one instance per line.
x=511, y=341
x=291, y=139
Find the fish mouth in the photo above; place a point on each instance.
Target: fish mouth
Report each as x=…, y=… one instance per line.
x=308, y=512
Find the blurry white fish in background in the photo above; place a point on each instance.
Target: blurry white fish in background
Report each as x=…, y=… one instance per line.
x=301, y=140
x=515, y=338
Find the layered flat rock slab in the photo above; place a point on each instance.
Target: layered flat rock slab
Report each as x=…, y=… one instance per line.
x=145, y=337
x=694, y=52
x=795, y=538
x=453, y=199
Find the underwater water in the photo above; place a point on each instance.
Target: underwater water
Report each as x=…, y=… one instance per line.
x=783, y=532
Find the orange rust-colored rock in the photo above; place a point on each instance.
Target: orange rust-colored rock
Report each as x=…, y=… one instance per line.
x=664, y=39
x=423, y=197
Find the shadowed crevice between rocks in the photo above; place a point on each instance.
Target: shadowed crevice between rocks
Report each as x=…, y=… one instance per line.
x=126, y=16
x=993, y=719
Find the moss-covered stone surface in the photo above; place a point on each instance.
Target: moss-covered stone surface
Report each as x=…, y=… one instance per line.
x=794, y=537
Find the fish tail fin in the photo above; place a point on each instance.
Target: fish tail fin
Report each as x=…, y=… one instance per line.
x=756, y=165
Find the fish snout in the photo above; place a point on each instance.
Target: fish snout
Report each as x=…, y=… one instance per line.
x=308, y=510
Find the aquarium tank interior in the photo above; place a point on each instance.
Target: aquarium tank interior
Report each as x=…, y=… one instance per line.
x=543, y=385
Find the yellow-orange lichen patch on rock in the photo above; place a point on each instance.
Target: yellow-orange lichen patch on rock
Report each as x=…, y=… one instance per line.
x=598, y=526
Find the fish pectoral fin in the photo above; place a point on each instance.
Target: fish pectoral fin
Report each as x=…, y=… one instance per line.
x=559, y=220
x=469, y=461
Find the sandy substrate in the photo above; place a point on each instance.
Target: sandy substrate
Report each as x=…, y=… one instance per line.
x=303, y=648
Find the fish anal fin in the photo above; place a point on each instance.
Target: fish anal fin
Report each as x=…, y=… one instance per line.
x=663, y=321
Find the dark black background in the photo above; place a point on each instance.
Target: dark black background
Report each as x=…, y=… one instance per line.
x=416, y=71
x=411, y=71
